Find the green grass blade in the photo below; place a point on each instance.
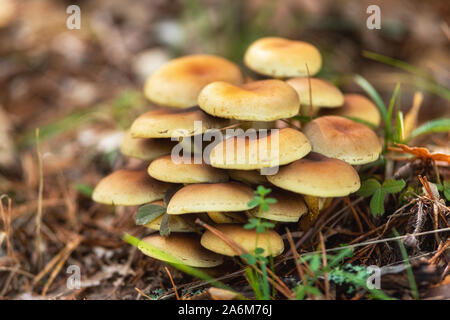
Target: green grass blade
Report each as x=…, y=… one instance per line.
x=412, y=280
x=370, y=90
x=438, y=125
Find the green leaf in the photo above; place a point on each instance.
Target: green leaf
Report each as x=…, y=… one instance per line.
x=250, y=259
x=315, y=263
x=393, y=186
x=84, y=189
x=271, y=200
x=377, y=202
x=164, y=228
x=264, y=206
x=261, y=190
x=259, y=251
x=368, y=187
x=268, y=225
x=148, y=213
x=253, y=203
x=438, y=125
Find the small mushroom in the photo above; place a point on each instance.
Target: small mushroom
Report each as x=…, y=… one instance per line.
x=343, y=139
x=244, y=152
x=165, y=169
x=265, y=100
x=323, y=94
x=213, y=197
x=184, y=248
x=168, y=123
x=178, y=83
x=269, y=240
x=129, y=188
x=358, y=107
x=288, y=208
x=145, y=149
x=283, y=58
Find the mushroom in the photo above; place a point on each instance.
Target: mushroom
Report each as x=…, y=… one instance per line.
x=344, y=139
x=288, y=208
x=316, y=176
x=144, y=149
x=165, y=169
x=178, y=82
x=129, y=188
x=265, y=100
x=358, y=107
x=184, y=223
x=168, y=123
x=213, y=197
x=323, y=94
x=180, y=248
x=251, y=177
x=269, y=240
x=283, y=58
x=244, y=152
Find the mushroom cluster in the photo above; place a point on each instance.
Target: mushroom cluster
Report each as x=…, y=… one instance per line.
x=202, y=94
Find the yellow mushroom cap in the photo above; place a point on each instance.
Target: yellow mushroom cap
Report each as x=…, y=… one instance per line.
x=265, y=100
x=252, y=177
x=317, y=175
x=226, y=197
x=129, y=188
x=288, y=208
x=323, y=93
x=178, y=83
x=344, y=139
x=269, y=240
x=145, y=149
x=183, y=247
x=359, y=107
x=246, y=152
x=283, y=58
x=165, y=169
x=167, y=123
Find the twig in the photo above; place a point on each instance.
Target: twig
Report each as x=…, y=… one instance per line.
x=173, y=283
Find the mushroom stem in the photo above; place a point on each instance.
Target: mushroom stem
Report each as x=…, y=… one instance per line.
x=315, y=205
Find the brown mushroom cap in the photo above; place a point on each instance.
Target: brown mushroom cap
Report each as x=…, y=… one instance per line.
x=317, y=175
x=184, y=223
x=178, y=83
x=265, y=100
x=167, y=123
x=129, y=188
x=184, y=248
x=145, y=149
x=323, y=93
x=245, y=152
x=269, y=240
x=165, y=169
x=359, y=107
x=282, y=58
x=344, y=139
x=288, y=208
x=226, y=197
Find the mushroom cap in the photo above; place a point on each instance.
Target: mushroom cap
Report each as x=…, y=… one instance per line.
x=129, y=188
x=145, y=149
x=227, y=217
x=165, y=169
x=178, y=83
x=252, y=177
x=359, y=107
x=317, y=175
x=283, y=58
x=264, y=100
x=176, y=223
x=183, y=247
x=344, y=139
x=226, y=197
x=323, y=93
x=246, y=152
x=269, y=240
x=288, y=208
x=167, y=123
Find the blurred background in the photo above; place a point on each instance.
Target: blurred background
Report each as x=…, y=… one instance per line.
x=82, y=88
